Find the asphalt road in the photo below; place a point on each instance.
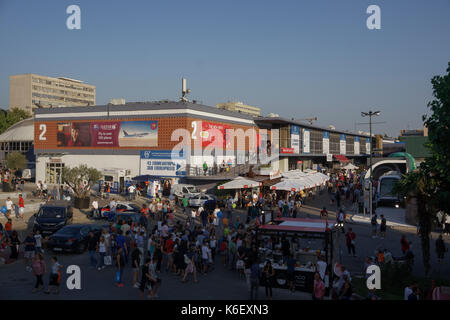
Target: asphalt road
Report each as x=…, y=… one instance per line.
x=17, y=283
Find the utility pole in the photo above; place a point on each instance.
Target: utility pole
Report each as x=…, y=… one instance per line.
x=370, y=114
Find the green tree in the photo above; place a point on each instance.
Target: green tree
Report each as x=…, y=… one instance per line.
x=430, y=183
x=81, y=179
x=16, y=160
x=8, y=118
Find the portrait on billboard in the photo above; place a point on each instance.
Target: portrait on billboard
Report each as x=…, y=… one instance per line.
x=73, y=134
x=138, y=134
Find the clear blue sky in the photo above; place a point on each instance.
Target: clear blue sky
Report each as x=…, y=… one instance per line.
x=297, y=58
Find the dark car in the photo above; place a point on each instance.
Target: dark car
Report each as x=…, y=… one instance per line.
x=52, y=216
x=73, y=238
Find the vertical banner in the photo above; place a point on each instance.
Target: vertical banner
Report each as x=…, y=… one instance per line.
x=342, y=144
x=367, y=146
x=306, y=142
x=295, y=138
x=356, y=152
x=326, y=142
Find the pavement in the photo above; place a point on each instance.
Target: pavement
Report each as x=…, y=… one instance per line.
x=17, y=283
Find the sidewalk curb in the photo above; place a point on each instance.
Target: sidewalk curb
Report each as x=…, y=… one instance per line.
x=361, y=220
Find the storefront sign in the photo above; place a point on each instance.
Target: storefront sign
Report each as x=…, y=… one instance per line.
x=356, y=146
x=287, y=150
x=163, y=163
x=329, y=157
x=306, y=143
x=326, y=142
x=107, y=134
x=295, y=138
x=342, y=144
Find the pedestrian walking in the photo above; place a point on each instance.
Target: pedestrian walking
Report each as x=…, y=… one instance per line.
x=30, y=249
x=39, y=269
x=318, y=288
x=14, y=244
x=92, y=248
x=9, y=207
x=101, y=249
x=120, y=264
x=21, y=207
x=255, y=275
x=55, y=276
x=268, y=276
x=404, y=244
x=382, y=227
x=350, y=237
x=374, y=224
x=440, y=249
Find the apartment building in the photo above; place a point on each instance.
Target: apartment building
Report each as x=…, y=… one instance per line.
x=240, y=107
x=31, y=91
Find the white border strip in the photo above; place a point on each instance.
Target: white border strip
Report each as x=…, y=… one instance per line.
x=141, y=113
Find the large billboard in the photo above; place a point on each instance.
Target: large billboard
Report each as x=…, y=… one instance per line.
x=163, y=163
x=108, y=134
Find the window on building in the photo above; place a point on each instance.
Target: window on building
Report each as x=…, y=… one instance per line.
x=53, y=172
x=334, y=143
x=350, y=144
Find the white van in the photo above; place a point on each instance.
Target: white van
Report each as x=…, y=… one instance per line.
x=188, y=190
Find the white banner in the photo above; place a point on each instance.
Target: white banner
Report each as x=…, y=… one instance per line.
x=342, y=144
x=306, y=142
x=161, y=163
x=356, y=146
x=326, y=142
x=368, y=147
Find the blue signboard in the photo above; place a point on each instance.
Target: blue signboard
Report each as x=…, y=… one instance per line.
x=163, y=163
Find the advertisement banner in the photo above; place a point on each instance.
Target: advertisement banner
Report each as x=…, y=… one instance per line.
x=287, y=150
x=207, y=133
x=356, y=146
x=163, y=163
x=108, y=134
x=306, y=143
x=295, y=138
x=342, y=144
x=367, y=146
x=326, y=142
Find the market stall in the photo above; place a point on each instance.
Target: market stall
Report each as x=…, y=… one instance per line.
x=309, y=238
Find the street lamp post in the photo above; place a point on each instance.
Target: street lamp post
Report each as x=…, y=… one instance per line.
x=370, y=114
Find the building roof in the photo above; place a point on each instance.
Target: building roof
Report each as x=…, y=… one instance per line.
x=20, y=131
x=133, y=109
x=281, y=120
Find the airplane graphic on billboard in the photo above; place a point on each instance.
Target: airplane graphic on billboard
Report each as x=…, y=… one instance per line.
x=132, y=135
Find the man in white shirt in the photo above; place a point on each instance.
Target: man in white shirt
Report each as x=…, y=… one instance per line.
x=95, y=212
x=131, y=191
x=112, y=206
x=205, y=256
x=9, y=207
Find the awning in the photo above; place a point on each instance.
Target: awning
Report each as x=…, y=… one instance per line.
x=341, y=158
x=239, y=183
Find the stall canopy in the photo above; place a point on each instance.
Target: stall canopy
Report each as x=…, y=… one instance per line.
x=341, y=158
x=298, y=225
x=350, y=166
x=290, y=185
x=239, y=183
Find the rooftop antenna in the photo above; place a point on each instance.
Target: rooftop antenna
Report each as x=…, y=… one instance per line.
x=310, y=120
x=184, y=90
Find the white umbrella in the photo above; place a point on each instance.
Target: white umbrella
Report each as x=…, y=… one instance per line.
x=289, y=185
x=350, y=166
x=239, y=183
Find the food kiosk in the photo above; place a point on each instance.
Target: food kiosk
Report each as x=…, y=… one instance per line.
x=310, y=238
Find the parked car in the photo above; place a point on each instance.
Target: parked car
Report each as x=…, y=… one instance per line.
x=121, y=207
x=188, y=190
x=52, y=216
x=73, y=238
x=200, y=200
